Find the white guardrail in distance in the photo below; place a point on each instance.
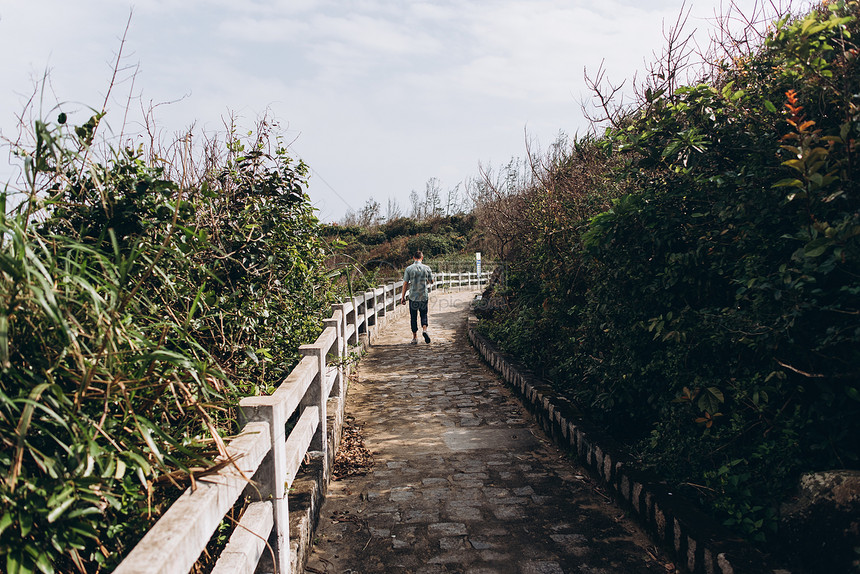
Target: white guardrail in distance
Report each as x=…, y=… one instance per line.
x=462, y=279
x=265, y=459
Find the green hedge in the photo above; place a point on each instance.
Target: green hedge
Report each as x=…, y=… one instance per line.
x=711, y=316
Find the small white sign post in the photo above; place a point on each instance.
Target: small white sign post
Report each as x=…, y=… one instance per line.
x=478, y=266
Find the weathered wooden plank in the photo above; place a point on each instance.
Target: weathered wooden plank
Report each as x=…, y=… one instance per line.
x=173, y=545
x=327, y=339
x=299, y=440
x=294, y=387
x=332, y=374
x=248, y=541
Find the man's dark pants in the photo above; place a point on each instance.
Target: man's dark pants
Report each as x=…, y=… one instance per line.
x=416, y=307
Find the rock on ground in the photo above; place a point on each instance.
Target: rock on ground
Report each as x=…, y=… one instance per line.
x=820, y=528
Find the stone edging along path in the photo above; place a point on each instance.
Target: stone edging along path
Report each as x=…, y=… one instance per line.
x=697, y=541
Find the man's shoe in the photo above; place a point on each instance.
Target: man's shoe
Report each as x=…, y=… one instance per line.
x=413, y=342
x=426, y=338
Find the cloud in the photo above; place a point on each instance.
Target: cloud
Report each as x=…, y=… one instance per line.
x=384, y=93
x=363, y=32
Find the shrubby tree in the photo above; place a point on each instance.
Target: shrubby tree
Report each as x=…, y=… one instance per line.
x=393, y=210
x=368, y=216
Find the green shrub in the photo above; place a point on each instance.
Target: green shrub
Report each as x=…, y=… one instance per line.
x=372, y=237
x=402, y=226
x=710, y=316
x=134, y=313
x=430, y=244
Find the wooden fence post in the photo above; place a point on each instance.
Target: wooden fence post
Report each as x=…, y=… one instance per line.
x=272, y=474
x=384, y=308
x=342, y=341
x=339, y=387
x=360, y=318
x=353, y=339
x=370, y=311
x=316, y=397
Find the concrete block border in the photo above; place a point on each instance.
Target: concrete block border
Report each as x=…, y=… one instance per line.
x=697, y=542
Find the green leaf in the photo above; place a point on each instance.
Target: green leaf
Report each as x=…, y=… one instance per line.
x=120, y=469
x=140, y=462
x=13, y=563
x=84, y=529
x=789, y=182
x=769, y=106
x=194, y=304
x=25, y=522
x=44, y=563
x=5, y=521
x=146, y=433
x=249, y=352
x=57, y=512
x=817, y=247
x=4, y=341
x=796, y=164
x=710, y=400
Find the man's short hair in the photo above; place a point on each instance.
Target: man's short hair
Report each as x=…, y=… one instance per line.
x=417, y=255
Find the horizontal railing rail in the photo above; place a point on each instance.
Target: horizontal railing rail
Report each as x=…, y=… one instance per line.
x=264, y=458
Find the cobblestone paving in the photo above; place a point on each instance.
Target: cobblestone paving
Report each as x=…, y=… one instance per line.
x=463, y=481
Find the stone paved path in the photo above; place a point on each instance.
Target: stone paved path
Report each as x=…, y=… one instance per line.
x=463, y=481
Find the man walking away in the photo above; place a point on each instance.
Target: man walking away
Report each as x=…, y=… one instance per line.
x=417, y=278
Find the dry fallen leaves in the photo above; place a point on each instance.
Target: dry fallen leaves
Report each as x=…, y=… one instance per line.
x=353, y=458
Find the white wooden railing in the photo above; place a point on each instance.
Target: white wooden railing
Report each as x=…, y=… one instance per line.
x=265, y=458
x=461, y=279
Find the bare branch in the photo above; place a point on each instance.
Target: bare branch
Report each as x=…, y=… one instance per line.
x=605, y=94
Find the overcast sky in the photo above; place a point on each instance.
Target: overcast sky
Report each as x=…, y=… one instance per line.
x=378, y=95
